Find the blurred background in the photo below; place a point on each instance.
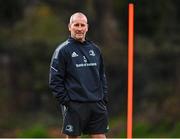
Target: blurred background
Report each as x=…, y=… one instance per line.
x=30, y=30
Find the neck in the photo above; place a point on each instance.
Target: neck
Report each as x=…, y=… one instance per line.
x=80, y=40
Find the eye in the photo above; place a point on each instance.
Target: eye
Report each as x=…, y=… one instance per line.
x=79, y=25
x=76, y=25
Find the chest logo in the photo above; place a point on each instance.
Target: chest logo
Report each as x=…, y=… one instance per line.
x=91, y=53
x=74, y=54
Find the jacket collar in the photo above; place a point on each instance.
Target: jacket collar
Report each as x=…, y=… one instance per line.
x=76, y=41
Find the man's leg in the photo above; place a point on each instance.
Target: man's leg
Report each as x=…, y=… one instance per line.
x=74, y=119
x=101, y=136
x=98, y=125
x=71, y=122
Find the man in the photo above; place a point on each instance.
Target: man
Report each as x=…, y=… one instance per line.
x=78, y=81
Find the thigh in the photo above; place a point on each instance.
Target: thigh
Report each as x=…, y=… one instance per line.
x=98, y=123
x=73, y=120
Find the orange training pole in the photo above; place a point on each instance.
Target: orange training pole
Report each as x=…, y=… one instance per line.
x=130, y=69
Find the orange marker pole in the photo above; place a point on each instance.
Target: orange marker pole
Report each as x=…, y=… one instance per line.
x=130, y=69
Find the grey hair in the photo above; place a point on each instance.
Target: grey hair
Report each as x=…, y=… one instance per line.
x=76, y=14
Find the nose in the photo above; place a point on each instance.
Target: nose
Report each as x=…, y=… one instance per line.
x=79, y=28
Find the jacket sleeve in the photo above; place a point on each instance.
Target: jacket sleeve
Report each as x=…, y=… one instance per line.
x=103, y=79
x=57, y=77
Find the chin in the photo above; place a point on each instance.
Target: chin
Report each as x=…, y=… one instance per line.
x=79, y=38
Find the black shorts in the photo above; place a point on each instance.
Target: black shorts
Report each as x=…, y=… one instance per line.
x=86, y=118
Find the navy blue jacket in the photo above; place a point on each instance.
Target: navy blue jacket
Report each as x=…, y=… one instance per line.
x=77, y=72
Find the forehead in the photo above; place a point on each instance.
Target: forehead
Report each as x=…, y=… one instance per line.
x=78, y=19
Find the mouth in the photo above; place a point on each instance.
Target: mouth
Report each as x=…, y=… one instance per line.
x=79, y=34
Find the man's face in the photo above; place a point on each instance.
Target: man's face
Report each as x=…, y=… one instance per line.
x=78, y=28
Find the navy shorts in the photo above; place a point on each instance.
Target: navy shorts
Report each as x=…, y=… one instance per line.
x=85, y=118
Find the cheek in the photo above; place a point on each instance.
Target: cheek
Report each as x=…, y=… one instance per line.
x=85, y=29
x=73, y=30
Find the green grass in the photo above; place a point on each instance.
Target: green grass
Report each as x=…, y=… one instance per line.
x=36, y=131
x=143, y=129
x=117, y=127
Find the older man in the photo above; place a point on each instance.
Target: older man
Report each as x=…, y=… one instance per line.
x=78, y=81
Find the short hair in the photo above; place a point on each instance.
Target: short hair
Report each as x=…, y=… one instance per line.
x=76, y=14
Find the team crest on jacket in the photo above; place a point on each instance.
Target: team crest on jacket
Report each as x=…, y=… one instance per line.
x=91, y=53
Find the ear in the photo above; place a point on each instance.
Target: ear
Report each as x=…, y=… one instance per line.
x=87, y=27
x=69, y=27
